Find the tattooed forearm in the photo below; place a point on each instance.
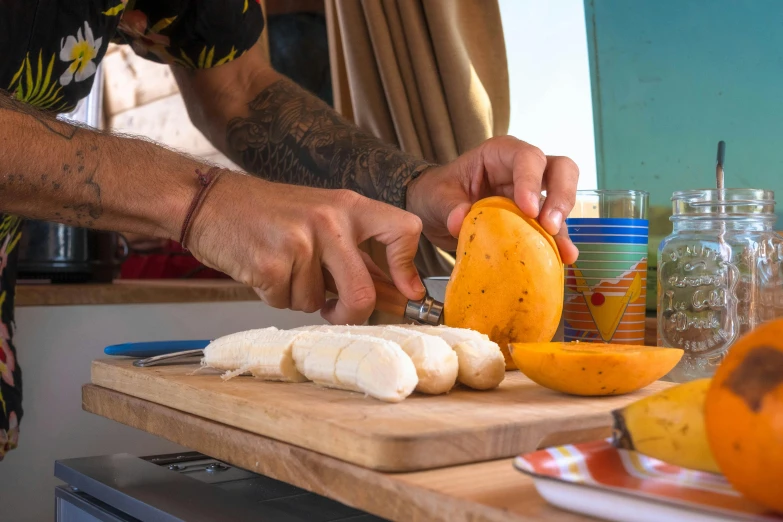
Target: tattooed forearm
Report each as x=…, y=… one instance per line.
x=73, y=172
x=291, y=136
x=52, y=170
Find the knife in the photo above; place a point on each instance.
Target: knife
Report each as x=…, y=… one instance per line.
x=390, y=300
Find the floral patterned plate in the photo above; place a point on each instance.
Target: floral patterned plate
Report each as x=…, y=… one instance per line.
x=600, y=480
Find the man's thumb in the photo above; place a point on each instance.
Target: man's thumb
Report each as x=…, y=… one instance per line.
x=456, y=216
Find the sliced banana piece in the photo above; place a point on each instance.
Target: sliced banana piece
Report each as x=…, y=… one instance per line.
x=374, y=366
x=315, y=355
x=435, y=361
x=481, y=363
x=265, y=353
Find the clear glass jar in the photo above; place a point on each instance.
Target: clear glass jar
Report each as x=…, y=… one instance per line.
x=719, y=275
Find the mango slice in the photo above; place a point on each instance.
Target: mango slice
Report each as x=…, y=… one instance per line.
x=508, y=280
x=592, y=369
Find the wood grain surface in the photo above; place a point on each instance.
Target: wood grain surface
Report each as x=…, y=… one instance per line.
x=421, y=432
x=134, y=292
x=484, y=492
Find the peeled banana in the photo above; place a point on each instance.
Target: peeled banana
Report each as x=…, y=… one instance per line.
x=435, y=361
x=481, y=363
x=359, y=363
x=668, y=426
x=265, y=353
x=385, y=362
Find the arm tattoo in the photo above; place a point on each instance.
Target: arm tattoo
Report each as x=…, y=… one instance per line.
x=293, y=137
x=77, y=175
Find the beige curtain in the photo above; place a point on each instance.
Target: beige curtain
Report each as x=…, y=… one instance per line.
x=429, y=76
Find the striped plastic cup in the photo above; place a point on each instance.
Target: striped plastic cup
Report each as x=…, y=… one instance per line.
x=606, y=289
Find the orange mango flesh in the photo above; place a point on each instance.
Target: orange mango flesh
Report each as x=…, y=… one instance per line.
x=508, y=280
x=593, y=369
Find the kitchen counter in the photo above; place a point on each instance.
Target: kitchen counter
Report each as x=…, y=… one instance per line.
x=142, y=291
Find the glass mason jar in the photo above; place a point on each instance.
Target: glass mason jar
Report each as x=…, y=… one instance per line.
x=719, y=275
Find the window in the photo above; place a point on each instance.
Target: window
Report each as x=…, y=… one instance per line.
x=549, y=74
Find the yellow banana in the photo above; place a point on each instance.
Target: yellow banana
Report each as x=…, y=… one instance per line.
x=668, y=426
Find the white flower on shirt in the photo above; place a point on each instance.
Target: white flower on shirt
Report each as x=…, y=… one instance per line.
x=80, y=51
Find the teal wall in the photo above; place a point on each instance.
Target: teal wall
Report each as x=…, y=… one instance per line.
x=670, y=78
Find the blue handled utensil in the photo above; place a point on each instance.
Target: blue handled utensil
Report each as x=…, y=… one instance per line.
x=154, y=348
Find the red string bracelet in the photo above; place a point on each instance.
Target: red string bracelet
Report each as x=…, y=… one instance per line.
x=205, y=182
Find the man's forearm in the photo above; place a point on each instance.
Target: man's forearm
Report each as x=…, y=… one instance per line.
x=289, y=135
x=54, y=171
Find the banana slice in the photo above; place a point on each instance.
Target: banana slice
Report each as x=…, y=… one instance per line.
x=265, y=353
x=435, y=361
x=374, y=366
x=316, y=354
x=481, y=363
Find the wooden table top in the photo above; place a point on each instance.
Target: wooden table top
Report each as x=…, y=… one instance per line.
x=484, y=492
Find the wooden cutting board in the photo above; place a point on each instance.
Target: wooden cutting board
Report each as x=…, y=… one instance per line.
x=421, y=432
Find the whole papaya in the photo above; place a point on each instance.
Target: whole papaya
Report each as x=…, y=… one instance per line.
x=508, y=279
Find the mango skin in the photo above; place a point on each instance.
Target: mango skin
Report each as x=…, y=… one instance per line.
x=744, y=415
x=508, y=280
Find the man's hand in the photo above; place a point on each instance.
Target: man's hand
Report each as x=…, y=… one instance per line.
x=277, y=238
x=503, y=166
x=280, y=238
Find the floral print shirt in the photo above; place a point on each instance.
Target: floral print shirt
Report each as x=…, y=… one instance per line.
x=51, y=50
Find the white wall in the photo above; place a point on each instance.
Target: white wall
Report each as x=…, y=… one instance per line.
x=56, y=346
x=551, y=104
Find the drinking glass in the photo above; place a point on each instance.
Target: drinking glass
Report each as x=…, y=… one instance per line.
x=606, y=289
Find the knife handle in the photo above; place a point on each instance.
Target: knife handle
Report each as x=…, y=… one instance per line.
x=388, y=298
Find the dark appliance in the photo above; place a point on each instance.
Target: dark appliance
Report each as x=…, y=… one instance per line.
x=185, y=486
x=64, y=254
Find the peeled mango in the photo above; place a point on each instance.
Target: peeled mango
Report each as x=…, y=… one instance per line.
x=508, y=280
x=594, y=369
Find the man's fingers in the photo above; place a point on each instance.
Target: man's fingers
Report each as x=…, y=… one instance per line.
x=355, y=288
x=509, y=161
x=406, y=278
x=375, y=270
x=277, y=295
x=274, y=285
x=561, y=178
x=456, y=217
x=307, y=286
x=400, y=232
x=521, y=171
x=568, y=251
